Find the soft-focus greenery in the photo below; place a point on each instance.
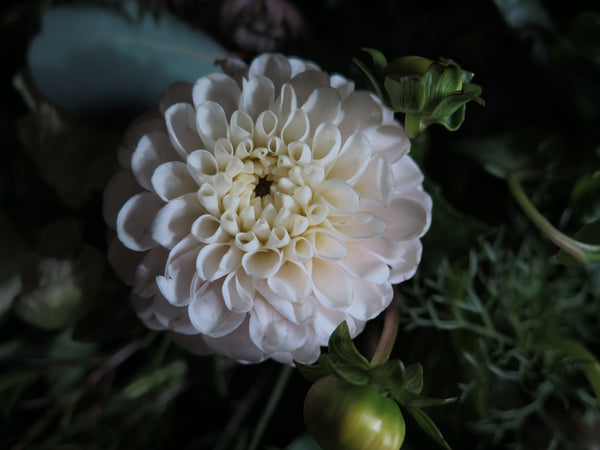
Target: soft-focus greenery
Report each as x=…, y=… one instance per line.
x=494, y=316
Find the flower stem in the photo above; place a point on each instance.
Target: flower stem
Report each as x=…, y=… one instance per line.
x=282, y=380
x=388, y=335
x=573, y=247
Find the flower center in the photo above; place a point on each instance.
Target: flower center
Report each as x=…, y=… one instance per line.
x=263, y=187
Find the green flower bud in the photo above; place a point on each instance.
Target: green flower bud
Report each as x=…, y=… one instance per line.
x=340, y=415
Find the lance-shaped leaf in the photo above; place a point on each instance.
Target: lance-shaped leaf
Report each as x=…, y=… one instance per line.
x=406, y=94
x=343, y=351
x=428, y=426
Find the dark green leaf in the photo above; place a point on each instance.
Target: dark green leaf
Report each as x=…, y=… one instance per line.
x=428, y=426
x=373, y=79
x=413, y=376
x=342, y=349
x=311, y=373
x=379, y=61
x=446, y=80
x=408, y=65
x=450, y=105
x=455, y=120
x=411, y=400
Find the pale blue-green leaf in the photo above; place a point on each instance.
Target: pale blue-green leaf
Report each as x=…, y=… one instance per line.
x=99, y=64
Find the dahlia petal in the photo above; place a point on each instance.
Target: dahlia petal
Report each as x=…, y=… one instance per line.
x=299, y=313
x=235, y=68
x=174, y=221
x=299, y=153
x=207, y=197
x=299, y=249
x=405, y=268
x=273, y=66
x=208, y=262
x=327, y=245
x=172, y=317
x=370, y=299
x=405, y=219
x=257, y=95
x=422, y=198
x=236, y=296
x=359, y=226
x=149, y=122
x=389, y=141
x=291, y=282
x=360, y=263
x=323, y=105
x=353, y=158
x=247, y=242
x=307, y=354
x=278, y=237
x=134, y=221
x=407, y=175
x=273, y=333
x=326, y=143
x=175, y=284
x=386, y=249
x=207, y=229
x=262, y=263
x=202, y=165
x=241, y=127
x=219, y=88
x=208, y=313
x=172, y=179
x=224, y=153
x=338, y=195
x=152, y=150
x=151, y=265
x=342, y=85
x=359, y=111
x=181, y=123
x=144, y=308
x=286, y=102
x=178, y=92
x=118, y=190
x=377, y=181
x=265, y=127
x=332, y=285
x=306, y=83
x=296, y=127
x=212, y=123
x=327, y=321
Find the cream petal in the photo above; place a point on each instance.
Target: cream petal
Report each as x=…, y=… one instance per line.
x=389, y=141
x=224, y=153
x=175, y=318
x=326, y=143
x=278, y=237
x=359, y=111
x=370, y=299
x=134, y=221
x=299, y=153
x=208, y=263
x=422, y=198
x=316, y=214
x=323, y=105
x=307, y=354
x=327, y=321
x=407, y=175
x=273, y=333
x=402, y=270
x=405, y=219
x=291, y=282
x=273, y=66
x=265, y=128
x=377, y=181
x=124, y=261
x=358, y=225
x=207, y=197
x=230, y=222
x=212, y=123
x=386, y=249
x=172, y=179
x=296, y=127
x=208, y=313
x=149, y=267
x=207, y=229
x=174, y=221
x=262, y=263
x=178, y=92
x=119, y=189
x=247, y=242
x=327, y=245
x=352, y=160
x=175, y=284
x=241, y=127
x=333, y=287
x=202, y=165
x=144, y=308
x=149, y=122
x=300, y=313
x=338, y=196
x=152, y=150
x=238, y=292
x=257, y=95
x=181, y=123
x=219, y=88
x=361, y=263
x=305, y=83
x=342, y=85
x=286, y=102
x=234, y=67
x=299, y=249
x=313, y=174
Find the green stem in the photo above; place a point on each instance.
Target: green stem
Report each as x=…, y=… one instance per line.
x=282, y=380
x=388, y=335
x=572, y=246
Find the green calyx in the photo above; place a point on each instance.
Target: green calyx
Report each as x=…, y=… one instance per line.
x=390, y=379
x=426, y=91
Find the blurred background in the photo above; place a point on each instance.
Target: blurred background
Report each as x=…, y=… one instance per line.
x=493, y=315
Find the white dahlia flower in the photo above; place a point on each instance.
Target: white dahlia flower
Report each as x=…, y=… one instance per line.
x=264, y=206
